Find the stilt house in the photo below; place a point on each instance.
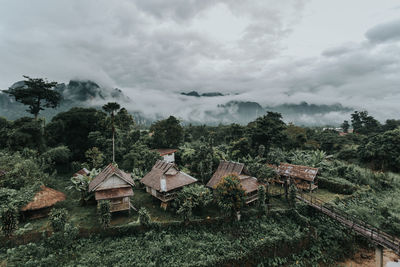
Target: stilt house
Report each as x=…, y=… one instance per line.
x=168, y=154
x=114, y=185
x=165, y=180
x=302, y=176
x=249, y=183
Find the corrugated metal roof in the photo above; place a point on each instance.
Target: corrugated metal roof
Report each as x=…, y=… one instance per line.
x=297, y=171
x=165, y=177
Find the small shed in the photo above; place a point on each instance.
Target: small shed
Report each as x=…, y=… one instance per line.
x=250, y=184
x=83, y=171
x=168, y=154
x=114, y=185
x=165, y=180
x=42, y=203
x=303, y=176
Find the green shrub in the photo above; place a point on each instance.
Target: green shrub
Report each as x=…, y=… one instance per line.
x=144, y=217
x=9, y=220
x=103, y=210
x=261, y=197
x=58, y=219
x=337, y=185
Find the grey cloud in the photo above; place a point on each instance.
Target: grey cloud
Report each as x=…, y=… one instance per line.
x=389, y=31
x=148, y=49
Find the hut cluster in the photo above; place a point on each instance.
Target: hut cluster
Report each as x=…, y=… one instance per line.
x=165, y=180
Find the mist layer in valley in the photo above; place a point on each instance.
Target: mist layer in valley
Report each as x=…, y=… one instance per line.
x=191, y=107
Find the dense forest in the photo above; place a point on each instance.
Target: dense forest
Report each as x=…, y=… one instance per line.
x=358, y=165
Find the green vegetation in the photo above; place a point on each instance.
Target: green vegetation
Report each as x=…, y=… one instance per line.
x=230, y=194
x=103, y=209
x=37, y=94
x=357, y=174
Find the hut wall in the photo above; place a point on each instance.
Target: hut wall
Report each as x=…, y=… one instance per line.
x=169, y=157
x=112, y=182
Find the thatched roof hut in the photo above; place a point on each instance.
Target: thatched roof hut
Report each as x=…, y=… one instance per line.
x=42, y=202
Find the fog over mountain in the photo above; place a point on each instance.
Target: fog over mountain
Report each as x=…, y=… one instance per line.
x=241, y=57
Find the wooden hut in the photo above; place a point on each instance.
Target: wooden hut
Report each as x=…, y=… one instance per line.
x=249, y=183
x=168, y=154
x=114, y=185
x=42, y=203
x=302, y=176
x=165, y=180
x=83, y=171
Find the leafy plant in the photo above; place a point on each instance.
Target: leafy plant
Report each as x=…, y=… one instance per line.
x=80, y=183
x=104, y=212
x=230, y=194
x=144, y=217
x=58, y=219
x=9, y=220
x=191, y=197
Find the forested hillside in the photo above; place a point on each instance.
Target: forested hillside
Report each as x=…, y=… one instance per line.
x=357, y=172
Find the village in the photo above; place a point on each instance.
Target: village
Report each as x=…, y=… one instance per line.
x=117, y=188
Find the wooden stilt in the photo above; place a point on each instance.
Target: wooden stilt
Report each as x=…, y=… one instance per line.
x=379, y=256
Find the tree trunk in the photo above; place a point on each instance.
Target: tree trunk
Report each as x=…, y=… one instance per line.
x=113, y=142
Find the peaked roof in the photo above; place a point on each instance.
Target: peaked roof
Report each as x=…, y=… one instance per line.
x=165, y=177
x=46, y=197
x=165, y=151
x=225, y=168
x=83, y=171
x=106, y=173
x=297, y=171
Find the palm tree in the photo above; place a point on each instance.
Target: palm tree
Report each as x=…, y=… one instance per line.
x=110, y=108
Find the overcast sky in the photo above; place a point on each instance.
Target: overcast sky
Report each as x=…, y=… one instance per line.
x=272, y=52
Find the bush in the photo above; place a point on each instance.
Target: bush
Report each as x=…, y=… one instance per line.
x=103, y=209
x=58, y=219
x=191, y=197
x=261, y=197
x=337, y=185
x=9, y=220
x=57, y=156
x=230, y=194
x=144, y=217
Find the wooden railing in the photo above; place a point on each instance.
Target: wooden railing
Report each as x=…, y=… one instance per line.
x=367, y=230
x=251, y=198
x=166, y=197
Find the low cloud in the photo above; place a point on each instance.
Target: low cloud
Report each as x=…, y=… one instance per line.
x=153, y=50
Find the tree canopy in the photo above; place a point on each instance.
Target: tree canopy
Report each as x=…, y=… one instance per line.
x=167, y=133
x=37, y=94
x=267, y=130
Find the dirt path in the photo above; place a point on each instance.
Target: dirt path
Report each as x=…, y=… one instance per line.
x=366, y=258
